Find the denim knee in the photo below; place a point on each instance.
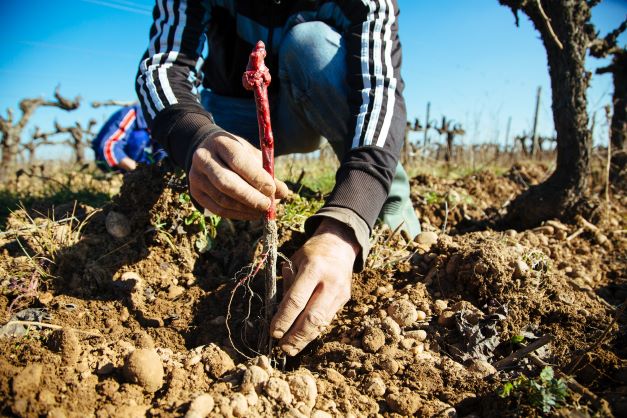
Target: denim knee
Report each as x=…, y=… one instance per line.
x=312, y=53
x=312, y=69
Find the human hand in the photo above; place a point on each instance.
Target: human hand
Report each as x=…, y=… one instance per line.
x=227, y=178
x=127, y=164
x=318, y=285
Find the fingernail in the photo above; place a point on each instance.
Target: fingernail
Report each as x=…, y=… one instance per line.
x=277, y=334
x=289, y=349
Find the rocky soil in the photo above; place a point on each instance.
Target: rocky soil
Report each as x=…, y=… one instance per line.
x=128, y=311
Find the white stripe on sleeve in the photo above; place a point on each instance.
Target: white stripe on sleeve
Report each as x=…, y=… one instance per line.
x=378, y=74
x=365, y=72
x=385, y=128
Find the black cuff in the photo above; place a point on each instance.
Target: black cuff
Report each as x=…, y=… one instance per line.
x=352, y=221
x=359, y=191
x=180, y=130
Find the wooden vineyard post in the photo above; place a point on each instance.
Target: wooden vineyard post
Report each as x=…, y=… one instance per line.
x=257, y=78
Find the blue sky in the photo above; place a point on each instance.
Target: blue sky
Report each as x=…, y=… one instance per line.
x=465, y=57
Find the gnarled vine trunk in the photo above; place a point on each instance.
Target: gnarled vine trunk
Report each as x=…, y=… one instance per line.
x=561, y=24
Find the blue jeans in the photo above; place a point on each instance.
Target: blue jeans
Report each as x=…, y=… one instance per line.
x=312, y=104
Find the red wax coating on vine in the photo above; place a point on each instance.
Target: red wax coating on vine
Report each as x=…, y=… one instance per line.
x=257, y=78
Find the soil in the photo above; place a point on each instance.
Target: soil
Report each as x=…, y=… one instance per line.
x=149, y=326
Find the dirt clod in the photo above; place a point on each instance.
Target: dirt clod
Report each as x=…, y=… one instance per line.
x=403, y=312
x=427, y=239
x=217, y=362
x=391, y=328
x=303, y=388
x=375, y=386
x=404, y=403
x=117, y=225
x=27, y=380
x=143, y=367
x=254, y=379
x=68, y=344
x=418, y=335
x=279, y=390
x=482, y=368
x=239, y=405
x=373, y=339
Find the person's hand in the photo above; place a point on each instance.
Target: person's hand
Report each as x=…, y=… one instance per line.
x=318, y=285
x=127, y=164
x=227, y=178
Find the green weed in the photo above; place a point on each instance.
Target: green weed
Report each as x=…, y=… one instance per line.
x=205, y=238
x=296, y=209
x=544, y=393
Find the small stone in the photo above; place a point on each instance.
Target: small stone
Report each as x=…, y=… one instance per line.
x=45, y=298
x=381, y=291
x=403, y=312
x=56, y=413
x=239, y=405
x=404, y=403
x=217, y=362
x=545, y=229
x=295, y=412
x=407, y=343
x=279, y=390
x=304, y=389
x=375, y=386
x=440, y=306
x=264, y=363
x=418, y=335
x=117, y=225
x=200, y=407
x=422, y=316
x=131, y=275
x=418, y=349
x=252, y=398
x=389, y=365
x=521, y=269
x=483, y=368
x=320, y=414
x=481, y=268
x=67, y=342
x=391, y=329
x=426, y=239
x=143, y=367
x=143, y=340
x=124, y=314
x=334, y=376
x=254, y=379
x=175, y=291
x=373, y=339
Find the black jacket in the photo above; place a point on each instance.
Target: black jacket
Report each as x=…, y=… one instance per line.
x=173, y=66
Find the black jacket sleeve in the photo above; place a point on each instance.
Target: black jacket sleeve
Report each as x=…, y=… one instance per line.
x=377, y=105
x=167, y=78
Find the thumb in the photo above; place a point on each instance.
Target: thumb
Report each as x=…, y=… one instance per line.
x=282, y=190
